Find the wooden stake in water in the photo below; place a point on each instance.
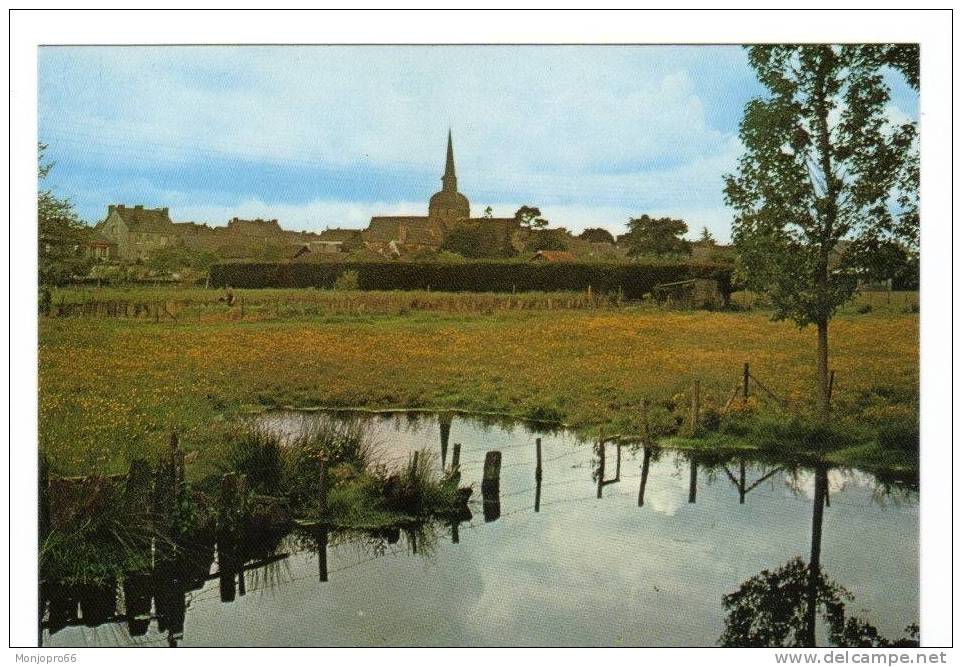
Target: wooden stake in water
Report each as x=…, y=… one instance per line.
x=492, y=469
x=537, y=469
x=646, y=462
x=741, y=482
x=601, y=466
x=491, y=486
x=444, y=422
x=322, y=553
x=456, y=463
x=537, y=476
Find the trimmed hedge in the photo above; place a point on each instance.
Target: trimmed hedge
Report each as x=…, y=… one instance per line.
x=634, y=280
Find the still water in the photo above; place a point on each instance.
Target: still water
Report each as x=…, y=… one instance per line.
x=642, y=558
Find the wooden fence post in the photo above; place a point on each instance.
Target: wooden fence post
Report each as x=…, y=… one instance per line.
x=456, y=462
x=745, y=376
x=444, y=423
x=645, y=425
x=322, y=488
x=492, y=469
x=831, y=385
x=227, y=503
x=695, y=407
x=601, y=466
x=169, y=489
x=491, y=486
x=43, y=484
x=137, y=491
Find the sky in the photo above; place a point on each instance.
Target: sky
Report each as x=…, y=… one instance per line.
x=326, y=136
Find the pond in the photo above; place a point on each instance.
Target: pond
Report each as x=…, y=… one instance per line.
x=617, y=546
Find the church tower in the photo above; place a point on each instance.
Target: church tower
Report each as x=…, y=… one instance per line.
x=448, y=206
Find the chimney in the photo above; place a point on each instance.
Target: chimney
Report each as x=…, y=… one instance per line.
x=166, y=211
x=110, y=209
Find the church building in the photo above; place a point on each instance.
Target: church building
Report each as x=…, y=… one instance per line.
x=392, y=235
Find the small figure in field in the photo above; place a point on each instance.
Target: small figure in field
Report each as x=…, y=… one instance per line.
x=228, y=298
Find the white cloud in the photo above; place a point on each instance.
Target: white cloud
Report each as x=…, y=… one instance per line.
x=567, y=110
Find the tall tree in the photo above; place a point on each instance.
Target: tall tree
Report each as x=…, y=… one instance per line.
x=547, y=239
x=60, y=233
x=822, y=162
x=706, y=237
x=597, y=235
x=656, y=236
x=530, y=217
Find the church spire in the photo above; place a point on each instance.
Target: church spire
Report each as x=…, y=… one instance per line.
x=449, y=180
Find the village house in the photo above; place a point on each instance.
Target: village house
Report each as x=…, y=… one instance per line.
x=137, y=231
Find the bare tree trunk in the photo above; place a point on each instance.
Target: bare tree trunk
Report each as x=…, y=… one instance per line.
x=824, y=397
x=827, y=233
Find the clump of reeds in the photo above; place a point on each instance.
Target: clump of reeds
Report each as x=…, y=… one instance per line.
x=97, y=548
x=359, y=489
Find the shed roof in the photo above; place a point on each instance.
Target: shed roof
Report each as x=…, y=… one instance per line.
x=554, y=256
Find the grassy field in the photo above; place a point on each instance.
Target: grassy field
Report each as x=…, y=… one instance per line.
x=112, y=388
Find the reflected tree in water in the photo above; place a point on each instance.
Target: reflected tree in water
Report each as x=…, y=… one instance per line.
x=782, y=607
x=773, y=609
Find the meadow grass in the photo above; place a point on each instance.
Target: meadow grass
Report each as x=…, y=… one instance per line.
x=111, y=389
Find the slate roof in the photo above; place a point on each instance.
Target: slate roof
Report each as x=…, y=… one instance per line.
x=146, y=220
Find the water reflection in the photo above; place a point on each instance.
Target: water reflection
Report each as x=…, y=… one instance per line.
x=561, y=551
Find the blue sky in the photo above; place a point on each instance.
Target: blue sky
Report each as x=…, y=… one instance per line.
x=328, y=136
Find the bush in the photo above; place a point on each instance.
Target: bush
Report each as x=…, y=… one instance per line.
x=546, y=239
x=634, y=280
x=259, y=455
x=346, y=281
